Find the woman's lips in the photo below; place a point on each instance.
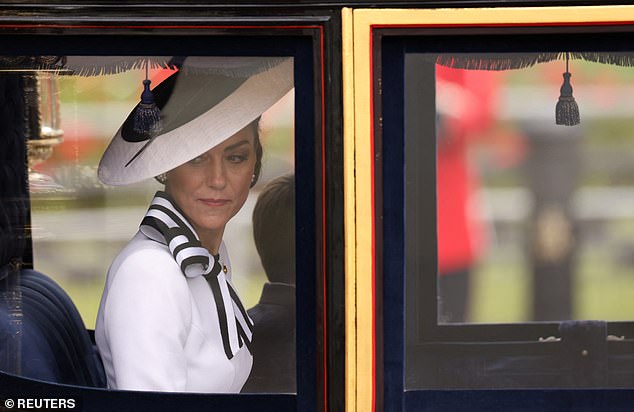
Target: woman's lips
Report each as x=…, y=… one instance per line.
x=214, y=202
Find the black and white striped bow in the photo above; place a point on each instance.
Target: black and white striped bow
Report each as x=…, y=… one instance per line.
x=165, y=223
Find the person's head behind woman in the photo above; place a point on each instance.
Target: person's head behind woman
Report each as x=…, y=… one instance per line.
x=274, y=229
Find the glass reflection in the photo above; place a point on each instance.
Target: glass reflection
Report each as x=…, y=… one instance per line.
x=535, y=219
x=531, y=269
x=78, y=225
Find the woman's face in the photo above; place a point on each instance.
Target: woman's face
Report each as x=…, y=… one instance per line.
x=211, y=188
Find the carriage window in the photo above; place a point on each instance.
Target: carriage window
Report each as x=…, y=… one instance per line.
x=496, y=147
x=534, y=223
x=80, y=225
x=535, y=188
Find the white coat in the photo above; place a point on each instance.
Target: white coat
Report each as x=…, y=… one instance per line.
x=158, y=330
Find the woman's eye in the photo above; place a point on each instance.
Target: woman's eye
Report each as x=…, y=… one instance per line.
x=197, y=159
x=237, y=158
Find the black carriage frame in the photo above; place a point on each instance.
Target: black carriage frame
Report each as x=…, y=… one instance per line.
x=29, y=30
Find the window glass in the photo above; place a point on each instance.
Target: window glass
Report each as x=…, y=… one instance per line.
x=79, y=224
x=78, y=219
x=535, y=219
x=532, y=261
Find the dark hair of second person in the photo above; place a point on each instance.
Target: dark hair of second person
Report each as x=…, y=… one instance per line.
x=274, y=229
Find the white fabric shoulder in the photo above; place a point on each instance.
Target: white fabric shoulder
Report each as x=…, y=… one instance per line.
x=149, y=302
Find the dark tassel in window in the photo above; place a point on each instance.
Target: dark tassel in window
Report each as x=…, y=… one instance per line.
x=147, y=117
x=567, y=111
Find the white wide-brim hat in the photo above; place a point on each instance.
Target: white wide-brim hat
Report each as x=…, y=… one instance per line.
x=209, y=100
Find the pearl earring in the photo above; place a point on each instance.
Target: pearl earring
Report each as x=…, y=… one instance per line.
x=252, y=178
x=162, y=178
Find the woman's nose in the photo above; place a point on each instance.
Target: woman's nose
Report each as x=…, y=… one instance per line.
x=216, y=175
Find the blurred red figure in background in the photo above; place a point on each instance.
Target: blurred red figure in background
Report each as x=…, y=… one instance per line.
x=466, y=102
